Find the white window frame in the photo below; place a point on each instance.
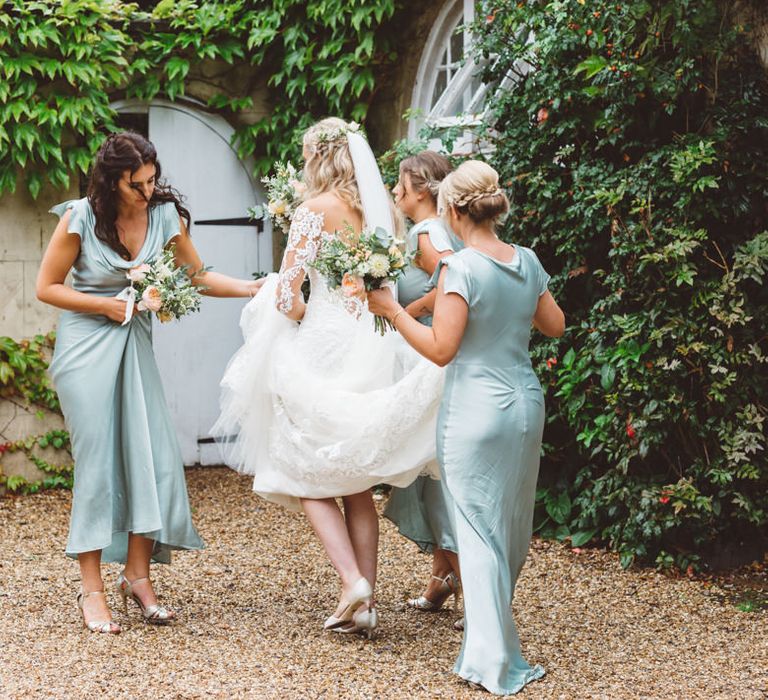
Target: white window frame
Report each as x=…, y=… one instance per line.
x=443, y=113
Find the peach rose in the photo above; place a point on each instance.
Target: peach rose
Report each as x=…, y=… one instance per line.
x=137, y=274
x=151, y=300
x=352, y=286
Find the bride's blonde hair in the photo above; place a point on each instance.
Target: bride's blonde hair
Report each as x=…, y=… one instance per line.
x=329, y=164
x=473, y=189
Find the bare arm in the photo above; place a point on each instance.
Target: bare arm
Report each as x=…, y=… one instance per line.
x=59, y=257
x=441, y=342
x=217, y=284
x=423, y=306
x=549, y=317
x=426, y=259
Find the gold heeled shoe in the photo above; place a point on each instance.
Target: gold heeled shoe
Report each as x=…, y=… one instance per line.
x=153, y=614
x=103, y=627
x=449, y=586
x=361, y=592
x=364, y=621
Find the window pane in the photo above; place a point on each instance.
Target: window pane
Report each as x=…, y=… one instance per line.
x=457, y=44
x=440, y=84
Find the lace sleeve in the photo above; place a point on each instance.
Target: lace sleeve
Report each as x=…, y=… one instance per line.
x=303, y=242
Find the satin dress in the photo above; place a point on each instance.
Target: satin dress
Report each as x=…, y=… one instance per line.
x=129, y=475
x=419, y=510
x=488, y=444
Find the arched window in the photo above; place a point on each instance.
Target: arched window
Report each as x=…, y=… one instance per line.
x=447, y=91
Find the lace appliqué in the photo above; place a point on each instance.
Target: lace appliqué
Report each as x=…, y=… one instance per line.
x=304, y=239
x=352, y=305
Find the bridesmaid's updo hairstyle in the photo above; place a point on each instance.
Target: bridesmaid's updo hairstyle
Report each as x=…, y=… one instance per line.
x=473, y=190
x=426, y=170
x=329, y=165
x=123, y=151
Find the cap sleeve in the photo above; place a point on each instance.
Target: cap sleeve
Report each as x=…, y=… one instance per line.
x=80, y=218
x=439, y=238
x=457, y=279
x=540, y=275
x=170, y=221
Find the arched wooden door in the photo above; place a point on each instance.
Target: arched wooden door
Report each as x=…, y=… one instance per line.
x=197, y=159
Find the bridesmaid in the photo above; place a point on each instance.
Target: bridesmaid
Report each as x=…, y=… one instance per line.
x=420, y=510
x=492, y=414
x=129, y=502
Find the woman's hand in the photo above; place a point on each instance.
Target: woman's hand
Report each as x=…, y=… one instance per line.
x=382, y=303
x=114, y=309
x=253, y=287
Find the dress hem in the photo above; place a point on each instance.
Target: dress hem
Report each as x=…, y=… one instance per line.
x=157, y=552
x=531, y=675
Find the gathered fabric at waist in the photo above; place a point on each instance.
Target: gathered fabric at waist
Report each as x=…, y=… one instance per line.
x=519, y=375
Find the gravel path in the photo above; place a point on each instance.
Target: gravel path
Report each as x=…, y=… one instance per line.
x=252, y=606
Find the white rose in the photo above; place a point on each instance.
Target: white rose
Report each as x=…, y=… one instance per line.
x=163, y=271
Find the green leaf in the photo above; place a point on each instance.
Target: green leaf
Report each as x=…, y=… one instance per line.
x=607, y=376
x=579, y=539
x=591, y=66
x=559, y=508
x=34, y=184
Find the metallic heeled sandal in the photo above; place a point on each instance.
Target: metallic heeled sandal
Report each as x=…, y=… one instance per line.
x=459, y=625
x=449, y=585
x=106, y=627
x=361, y=592
x=364, y=621
x=153, y=614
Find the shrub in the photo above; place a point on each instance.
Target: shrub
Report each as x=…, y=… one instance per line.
x=633, y=139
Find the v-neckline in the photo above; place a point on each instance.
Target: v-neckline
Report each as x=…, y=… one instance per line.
x=143, y=243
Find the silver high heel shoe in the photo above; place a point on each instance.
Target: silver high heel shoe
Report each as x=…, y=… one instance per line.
x=360, y=593
x=153, y=614
x=103, y=627
x=449, y=586
x=364, y=621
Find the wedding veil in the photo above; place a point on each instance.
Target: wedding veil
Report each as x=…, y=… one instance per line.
x=377, y=208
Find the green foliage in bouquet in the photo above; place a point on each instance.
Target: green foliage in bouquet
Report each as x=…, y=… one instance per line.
x=633, y=139
x=356, y=264
x=62, y=62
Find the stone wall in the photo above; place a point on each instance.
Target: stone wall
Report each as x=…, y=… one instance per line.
x=25, y=229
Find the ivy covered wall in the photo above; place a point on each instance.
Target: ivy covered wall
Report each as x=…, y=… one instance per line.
x=269, y=71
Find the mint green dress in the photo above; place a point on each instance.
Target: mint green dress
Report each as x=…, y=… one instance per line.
x=489, y=434
x=129, y=475
x=419, y=510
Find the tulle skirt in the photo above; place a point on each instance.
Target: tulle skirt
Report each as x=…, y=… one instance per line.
x=327, y=407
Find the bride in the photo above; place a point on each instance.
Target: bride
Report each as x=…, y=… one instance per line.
x=316, y=404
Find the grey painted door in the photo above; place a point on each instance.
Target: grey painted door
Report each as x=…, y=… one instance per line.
x=194, y=151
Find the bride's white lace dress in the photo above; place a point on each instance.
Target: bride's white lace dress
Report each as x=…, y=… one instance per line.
x=327, y=407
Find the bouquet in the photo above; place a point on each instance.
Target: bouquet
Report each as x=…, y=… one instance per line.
x=163, y=288
x=284, y=193
x=360, y=264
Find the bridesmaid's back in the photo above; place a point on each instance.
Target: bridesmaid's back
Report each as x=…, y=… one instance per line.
x=502, y=299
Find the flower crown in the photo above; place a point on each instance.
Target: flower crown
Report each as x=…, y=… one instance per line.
x=324, y=138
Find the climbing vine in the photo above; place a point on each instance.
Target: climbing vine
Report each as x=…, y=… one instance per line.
x=63, y=62
x=56, y=475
